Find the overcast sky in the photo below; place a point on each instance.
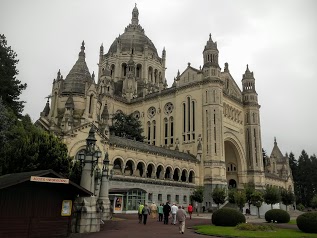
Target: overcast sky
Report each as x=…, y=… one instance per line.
x=278, y=39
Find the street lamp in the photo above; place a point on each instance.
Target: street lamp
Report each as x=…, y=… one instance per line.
x=89, y=159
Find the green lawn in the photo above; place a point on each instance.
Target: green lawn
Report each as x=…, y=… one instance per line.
x=232, y=232
x=292, y=222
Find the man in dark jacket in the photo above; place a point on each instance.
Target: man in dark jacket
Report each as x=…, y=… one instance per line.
x=166, y=211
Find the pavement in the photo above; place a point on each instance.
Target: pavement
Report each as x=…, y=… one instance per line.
x=127, y=226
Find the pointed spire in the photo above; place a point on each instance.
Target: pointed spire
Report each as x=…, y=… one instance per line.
x=211, y=44
x=101, y=49
x=178, y=74
x=93, y=76
x=248, y=74
x=58, y=75
x=82, y=50
x=46, y=109
x=135, y=16
x=164, y=53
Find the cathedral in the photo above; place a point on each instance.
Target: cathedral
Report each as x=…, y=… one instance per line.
x=203, y=130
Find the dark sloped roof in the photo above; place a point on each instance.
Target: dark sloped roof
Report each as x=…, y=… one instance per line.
x=9, y=180
x=124, y=142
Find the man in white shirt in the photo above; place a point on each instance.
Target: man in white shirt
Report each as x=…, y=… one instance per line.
x=174, y=209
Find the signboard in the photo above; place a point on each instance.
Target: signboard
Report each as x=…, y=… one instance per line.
x=66, y=208
x=48, y=180
x=118, y=204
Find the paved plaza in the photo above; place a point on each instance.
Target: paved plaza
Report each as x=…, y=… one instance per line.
x=127, y=226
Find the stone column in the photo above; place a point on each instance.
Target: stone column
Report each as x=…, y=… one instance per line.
x=87, y=180
x=103, y=200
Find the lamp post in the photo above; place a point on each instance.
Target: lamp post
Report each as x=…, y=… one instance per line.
x=104, y=189
x=89, y=159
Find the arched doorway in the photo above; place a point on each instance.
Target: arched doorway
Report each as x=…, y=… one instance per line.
x=232, y=183
x=232, y=164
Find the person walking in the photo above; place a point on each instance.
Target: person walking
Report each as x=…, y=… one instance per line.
x=166, y=212
x=153, y=208
x=145, y=211
x=174, y=209
x=140, y=208
x=160, y=212
x=181, y=217
x=190, y=210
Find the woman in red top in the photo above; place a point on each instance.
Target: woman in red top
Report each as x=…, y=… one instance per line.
x=190, y=210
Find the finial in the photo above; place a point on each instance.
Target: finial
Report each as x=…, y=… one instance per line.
x=134, y=4
x=178, y=74
x=226, y=67
x=275, y=140
x=93, y=75
x=82, y=51
x=188, y=64
x=209, y=36
x=59, y=74
x=247, y=68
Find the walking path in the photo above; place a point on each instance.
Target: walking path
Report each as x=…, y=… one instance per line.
x=127, y=226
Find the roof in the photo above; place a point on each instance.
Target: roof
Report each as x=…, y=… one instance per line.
x=9, y=180
x=75, y=81
x=141, y=146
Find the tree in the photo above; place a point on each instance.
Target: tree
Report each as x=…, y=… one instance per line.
x=127, y=126
x=287, y=197
x=10, y=87
x=306, y=186
x=240, y=199
x=249, y=190
x=29, y=148
x=219, y=196
x=198, y=194
x=272, y=195
x=231, y=193
x=313, y=202
x=257, y=200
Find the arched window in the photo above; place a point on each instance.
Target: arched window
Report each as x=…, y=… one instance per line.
x=189, y=111
x=90, y=103
x=149, y=132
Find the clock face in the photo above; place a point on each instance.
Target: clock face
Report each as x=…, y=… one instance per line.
x=168, y=108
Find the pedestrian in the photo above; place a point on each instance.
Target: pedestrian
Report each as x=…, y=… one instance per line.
x=190, y=210
x=153, y=208
x=145, y=211
x=166, y=212
x=174, y=209
x=181, y=217
x=160, y=212
x=140, y=212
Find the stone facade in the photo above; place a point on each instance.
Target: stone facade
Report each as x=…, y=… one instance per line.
x=203, y=130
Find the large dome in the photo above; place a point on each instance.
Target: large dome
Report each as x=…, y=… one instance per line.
x=133, y=38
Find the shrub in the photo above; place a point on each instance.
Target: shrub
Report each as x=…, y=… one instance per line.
x=277, y=215
x=300, y=207
x=255, y=227
x=227, y=217
x=307, y=222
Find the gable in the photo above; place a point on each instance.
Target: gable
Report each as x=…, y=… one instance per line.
x=231, y=88
x=190, y=75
